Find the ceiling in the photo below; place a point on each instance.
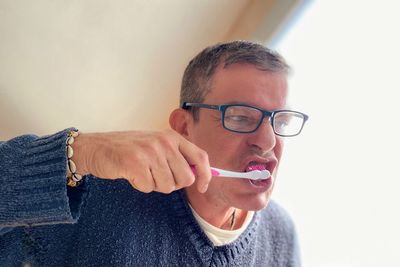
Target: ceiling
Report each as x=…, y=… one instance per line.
x=113, y=65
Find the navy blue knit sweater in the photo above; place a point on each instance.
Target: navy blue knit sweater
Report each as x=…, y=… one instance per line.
x=108, y=223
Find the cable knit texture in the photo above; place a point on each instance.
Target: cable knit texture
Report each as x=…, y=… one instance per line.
x=117, y=225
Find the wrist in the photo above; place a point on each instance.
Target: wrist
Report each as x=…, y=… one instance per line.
x=80, y=154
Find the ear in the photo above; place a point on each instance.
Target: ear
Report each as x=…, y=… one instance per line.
x=181, y=120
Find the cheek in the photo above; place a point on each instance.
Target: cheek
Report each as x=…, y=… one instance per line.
x=278, y=149
x=228, y=153
x=220, y=144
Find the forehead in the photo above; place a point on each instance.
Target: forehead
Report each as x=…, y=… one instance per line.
x=244, y=83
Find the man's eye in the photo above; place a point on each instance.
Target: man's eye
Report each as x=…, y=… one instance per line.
x=281, y=124
x=239, y=119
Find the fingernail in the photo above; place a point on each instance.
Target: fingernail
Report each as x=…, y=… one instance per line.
x=204, y=189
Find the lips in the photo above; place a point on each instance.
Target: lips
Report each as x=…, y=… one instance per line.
x=261, y=164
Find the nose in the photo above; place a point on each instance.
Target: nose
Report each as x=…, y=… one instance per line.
x=264, y=138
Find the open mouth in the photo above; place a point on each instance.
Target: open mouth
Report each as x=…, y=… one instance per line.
x=252, y=166
x=255, y=166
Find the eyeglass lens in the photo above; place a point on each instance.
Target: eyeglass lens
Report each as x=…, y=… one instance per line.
x=288, y=123
x=242, y=119
x=246, y=119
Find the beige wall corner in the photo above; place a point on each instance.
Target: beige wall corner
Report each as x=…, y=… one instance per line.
x=260, y=20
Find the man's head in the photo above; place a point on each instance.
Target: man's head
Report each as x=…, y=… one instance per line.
x=200, y=70
x=234, y=73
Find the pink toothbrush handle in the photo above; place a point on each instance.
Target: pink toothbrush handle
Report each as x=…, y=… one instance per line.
x=214, y=172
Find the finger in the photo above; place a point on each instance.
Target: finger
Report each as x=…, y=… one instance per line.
x=199, y=158
x=142, y=181
x=163, y=178
x=181, y=171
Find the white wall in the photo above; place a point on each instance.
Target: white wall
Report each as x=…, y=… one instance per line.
x=100, y=65
x=339, y=179
x=103, y=65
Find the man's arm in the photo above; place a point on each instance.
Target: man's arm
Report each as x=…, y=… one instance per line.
x=33, y=171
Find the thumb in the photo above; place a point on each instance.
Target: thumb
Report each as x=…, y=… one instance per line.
x=198, y=161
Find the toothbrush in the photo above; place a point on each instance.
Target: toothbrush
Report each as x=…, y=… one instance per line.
x=252, y=175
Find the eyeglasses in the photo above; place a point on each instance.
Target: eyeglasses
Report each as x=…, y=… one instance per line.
x=242, y=118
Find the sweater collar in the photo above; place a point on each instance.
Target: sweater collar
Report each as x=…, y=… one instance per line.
x=209, y=253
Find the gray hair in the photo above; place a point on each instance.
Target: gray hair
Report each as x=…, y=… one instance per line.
x=200, y=70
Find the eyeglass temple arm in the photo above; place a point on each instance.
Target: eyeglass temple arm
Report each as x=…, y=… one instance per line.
x=199, y=105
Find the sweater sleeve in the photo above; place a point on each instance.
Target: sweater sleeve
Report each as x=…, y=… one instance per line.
x=33, y=182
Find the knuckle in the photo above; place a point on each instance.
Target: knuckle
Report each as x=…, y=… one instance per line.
x=188, y=181
x=132, y=183
x=166, y=142
x=149, y=148
x=202, y=156
x=145, y=189
x=169, y=189
x=191, y=179
x=180, y=184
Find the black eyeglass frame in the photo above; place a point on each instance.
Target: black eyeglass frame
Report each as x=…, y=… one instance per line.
x=265, y=113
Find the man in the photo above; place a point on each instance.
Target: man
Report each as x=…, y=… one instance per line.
x=233, y=116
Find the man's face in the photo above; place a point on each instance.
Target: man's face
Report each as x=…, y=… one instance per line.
x=245, y=84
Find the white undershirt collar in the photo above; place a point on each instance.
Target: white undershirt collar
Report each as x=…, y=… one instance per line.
x=220, y=237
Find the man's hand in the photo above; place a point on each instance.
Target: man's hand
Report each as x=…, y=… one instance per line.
x=150, y=161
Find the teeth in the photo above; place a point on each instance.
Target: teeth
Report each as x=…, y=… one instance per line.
x=257, y=166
